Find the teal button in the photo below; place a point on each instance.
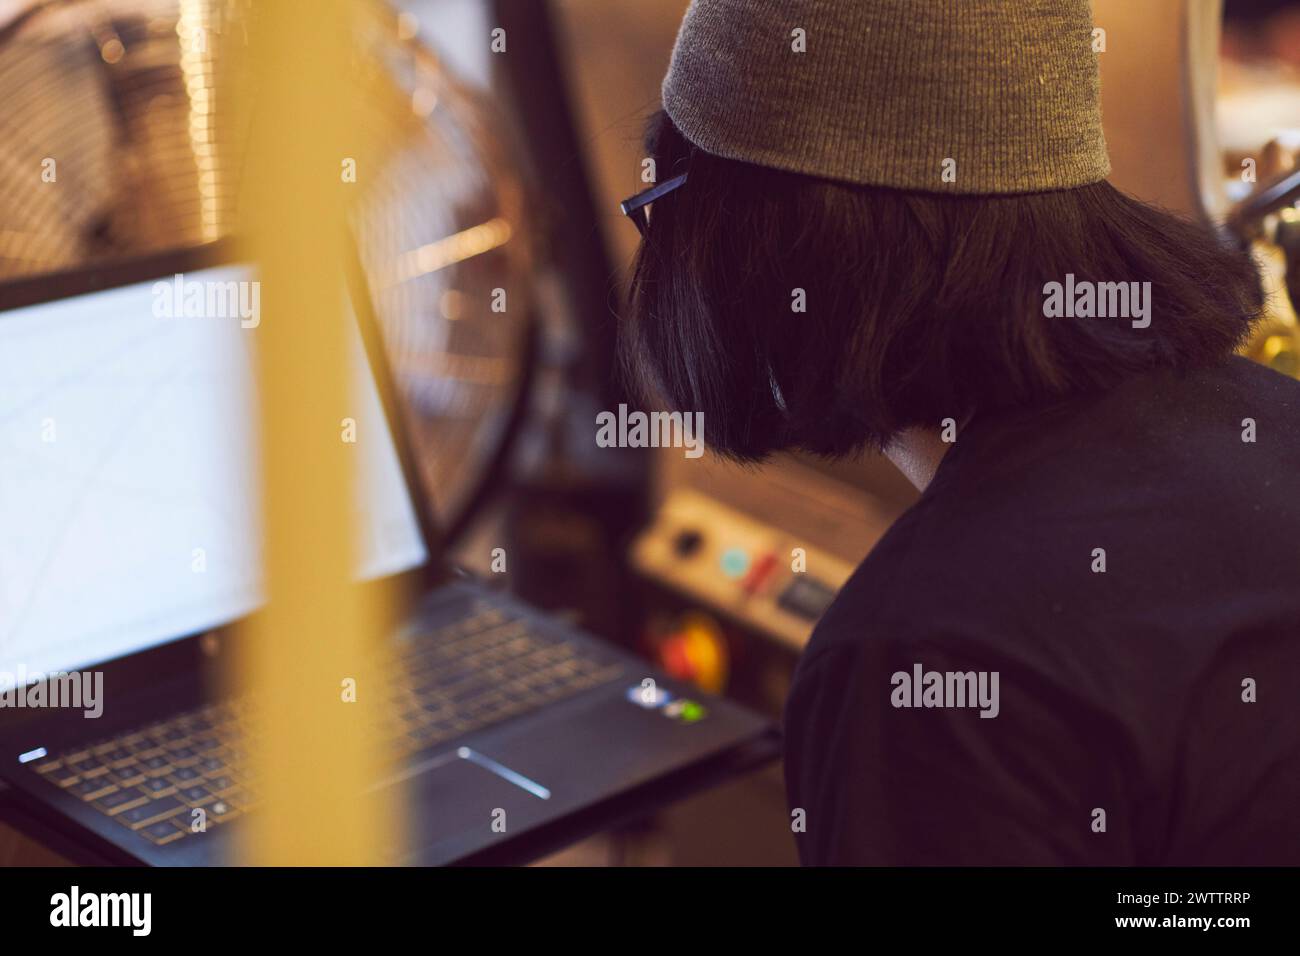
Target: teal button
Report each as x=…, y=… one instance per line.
x=735, y=562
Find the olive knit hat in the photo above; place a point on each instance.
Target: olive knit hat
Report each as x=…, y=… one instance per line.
x=967, y=96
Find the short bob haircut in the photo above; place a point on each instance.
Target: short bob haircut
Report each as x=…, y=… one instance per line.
x=918, y=307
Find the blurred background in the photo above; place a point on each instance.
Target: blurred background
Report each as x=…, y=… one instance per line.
x=488, y=224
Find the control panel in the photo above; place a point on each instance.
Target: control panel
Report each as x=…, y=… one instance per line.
x=761, y=576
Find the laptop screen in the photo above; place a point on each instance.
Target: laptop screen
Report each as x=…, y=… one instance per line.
x=129, y=474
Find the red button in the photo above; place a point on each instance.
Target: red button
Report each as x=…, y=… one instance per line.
x=759, y=573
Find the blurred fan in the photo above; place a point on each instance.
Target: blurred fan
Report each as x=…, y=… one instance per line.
x=115, y=141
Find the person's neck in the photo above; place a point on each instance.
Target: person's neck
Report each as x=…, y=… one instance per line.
x=916, y=452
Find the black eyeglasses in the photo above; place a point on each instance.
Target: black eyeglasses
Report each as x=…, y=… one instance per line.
x=635, y=208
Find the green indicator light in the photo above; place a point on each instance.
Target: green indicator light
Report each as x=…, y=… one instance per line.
x=691, y=712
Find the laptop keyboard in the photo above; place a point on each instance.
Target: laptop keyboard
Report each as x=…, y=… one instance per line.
x=473, y=672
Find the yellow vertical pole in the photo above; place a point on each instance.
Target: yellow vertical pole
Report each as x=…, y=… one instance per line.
x=310, y=662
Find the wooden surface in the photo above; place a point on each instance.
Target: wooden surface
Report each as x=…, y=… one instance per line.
x=18, y=850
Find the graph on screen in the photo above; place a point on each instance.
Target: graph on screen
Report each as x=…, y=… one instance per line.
x=128, y=477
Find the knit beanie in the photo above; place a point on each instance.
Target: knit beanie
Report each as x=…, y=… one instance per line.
x=965, y=96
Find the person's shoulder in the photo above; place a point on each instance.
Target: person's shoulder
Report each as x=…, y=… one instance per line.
x=908, y=587
x=1237, y=423
x=1251, y=376
x=1238, y=383
x=1010, y=525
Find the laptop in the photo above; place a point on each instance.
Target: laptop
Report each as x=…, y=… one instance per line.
x=127, y=482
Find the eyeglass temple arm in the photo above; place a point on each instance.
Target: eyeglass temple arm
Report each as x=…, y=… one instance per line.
x=642, y=199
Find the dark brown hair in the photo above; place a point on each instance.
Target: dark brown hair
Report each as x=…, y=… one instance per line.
x=919, y=307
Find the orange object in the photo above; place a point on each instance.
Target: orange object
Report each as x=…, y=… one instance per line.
x=697, y=651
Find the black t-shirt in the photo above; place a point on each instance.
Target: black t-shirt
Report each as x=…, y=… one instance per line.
x=1129, y=566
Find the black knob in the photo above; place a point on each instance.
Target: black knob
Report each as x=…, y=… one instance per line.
x=687, y=542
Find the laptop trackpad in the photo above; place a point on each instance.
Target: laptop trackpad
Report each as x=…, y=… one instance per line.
x=464, y=795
